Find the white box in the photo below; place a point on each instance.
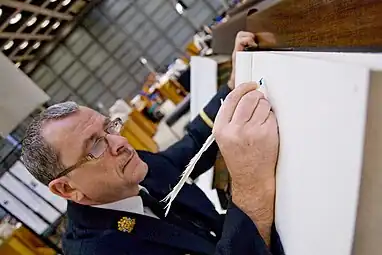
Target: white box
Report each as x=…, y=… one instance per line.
x=329, y=174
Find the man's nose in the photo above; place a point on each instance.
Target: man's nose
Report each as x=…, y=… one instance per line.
x=118, y=144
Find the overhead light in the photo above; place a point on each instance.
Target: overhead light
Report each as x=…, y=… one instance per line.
x=65, y=2
x=31, y=21
x=179, y=8
x=52, y=1
x=56, y=25
x=143, y=60
x=8, y=45
x=18, y=64
x=23, y=45
x=18, y=225
x=15, y=19
x=36, y=45
x=45, y=23
x=1, y=12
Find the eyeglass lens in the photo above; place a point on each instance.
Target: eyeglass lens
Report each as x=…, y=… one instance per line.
x=101, y=144
x=98, y=148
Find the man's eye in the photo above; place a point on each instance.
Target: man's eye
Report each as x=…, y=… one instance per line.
x=98, y=148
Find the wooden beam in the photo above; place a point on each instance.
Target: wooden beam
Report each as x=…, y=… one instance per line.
x=331, y=24
x=36, y=9
x=23, y=36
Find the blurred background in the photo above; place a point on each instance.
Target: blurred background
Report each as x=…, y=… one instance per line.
x=131, y=59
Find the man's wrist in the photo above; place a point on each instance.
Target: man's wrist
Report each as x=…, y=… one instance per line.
x=258, y=203
x=256, y=198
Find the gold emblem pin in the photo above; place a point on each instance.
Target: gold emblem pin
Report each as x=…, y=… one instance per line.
x=126, y=224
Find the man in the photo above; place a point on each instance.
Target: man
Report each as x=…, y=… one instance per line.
x=114, y=191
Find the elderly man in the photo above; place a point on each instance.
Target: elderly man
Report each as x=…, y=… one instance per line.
x=114, y=192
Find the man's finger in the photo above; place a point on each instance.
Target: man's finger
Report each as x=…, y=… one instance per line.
x=246, y=41
x=245, y=33
x=271, y=122
x=261, y=112
x=246, y=107
x=227, y=110
x=239, y=39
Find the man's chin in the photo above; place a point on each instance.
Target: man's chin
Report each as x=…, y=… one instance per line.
x=143, y=169
x=136, y=170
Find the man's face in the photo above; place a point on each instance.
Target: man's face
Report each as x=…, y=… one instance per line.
x=113, y=176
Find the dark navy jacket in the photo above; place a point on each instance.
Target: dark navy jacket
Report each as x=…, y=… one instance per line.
x=95, y=231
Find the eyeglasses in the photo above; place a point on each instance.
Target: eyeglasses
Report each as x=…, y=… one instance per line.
x=98, y=148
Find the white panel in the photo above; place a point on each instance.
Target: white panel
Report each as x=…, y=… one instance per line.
x=321, y=112
x=22, y=212
x=203, y=88
x=31, y=199
x=203, y=83
x=19, y=170
x=244, y=73
x=19, y=96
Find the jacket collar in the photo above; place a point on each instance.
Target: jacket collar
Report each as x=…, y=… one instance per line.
x=139, y=226
x=131, y=204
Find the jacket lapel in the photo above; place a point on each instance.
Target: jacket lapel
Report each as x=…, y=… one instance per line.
x=143, y=227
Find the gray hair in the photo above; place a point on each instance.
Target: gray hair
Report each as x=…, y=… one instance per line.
x=39, y=157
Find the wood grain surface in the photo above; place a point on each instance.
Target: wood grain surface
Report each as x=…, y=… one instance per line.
x=319, y=23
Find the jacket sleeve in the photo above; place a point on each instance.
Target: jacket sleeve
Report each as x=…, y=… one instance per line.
x=240, y=236
x=199, y=130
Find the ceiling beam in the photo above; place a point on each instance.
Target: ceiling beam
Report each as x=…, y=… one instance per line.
x=21, y=29
x=36, y=9
x=22, y=36
x=63, y=33
x=22, y=58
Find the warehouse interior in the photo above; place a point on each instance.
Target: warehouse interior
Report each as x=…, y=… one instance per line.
x=96, y=53
x=115, y=116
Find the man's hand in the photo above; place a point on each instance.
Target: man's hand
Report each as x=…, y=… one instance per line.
x=246, y=132
x=243, y=39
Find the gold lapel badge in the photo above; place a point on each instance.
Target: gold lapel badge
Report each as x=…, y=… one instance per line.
x=126, y=224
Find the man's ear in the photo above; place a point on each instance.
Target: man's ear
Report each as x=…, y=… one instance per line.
x=63, y=188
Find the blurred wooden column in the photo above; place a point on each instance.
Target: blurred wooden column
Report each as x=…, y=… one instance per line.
x=139, y=131
x=147, y=125
x=172, y=90
x=23, y=242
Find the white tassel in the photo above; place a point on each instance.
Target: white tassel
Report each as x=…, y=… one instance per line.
x=186, y=173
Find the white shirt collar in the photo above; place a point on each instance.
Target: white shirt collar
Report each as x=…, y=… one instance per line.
x=131, y=204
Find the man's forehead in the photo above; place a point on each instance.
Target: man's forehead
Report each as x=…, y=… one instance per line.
x=75, y=124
